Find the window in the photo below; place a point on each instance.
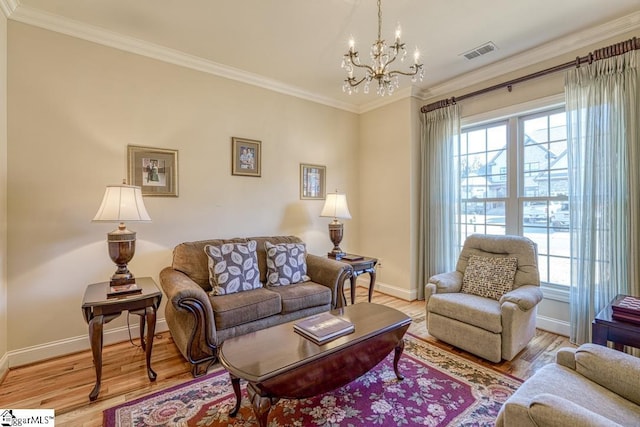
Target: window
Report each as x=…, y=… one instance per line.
x=513, y=180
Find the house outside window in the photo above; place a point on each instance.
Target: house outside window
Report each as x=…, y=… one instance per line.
x=514, y=180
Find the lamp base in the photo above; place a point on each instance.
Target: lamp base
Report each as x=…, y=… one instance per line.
x=337, y=255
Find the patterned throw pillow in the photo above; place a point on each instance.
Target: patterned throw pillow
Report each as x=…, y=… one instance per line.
x=233, y=267
x=286, y=263
x=489, y=277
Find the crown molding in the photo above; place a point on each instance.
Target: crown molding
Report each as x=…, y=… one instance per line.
x=8, y=6
x=48, y=21
x=18, y=12
x=538, y=54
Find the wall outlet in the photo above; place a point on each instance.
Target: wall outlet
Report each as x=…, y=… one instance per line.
x=380, y=263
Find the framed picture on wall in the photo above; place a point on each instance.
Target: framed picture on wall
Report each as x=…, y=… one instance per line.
x=155, y=170
x=312, y=182
x=246, y=157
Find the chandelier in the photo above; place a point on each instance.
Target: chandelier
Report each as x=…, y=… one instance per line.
x=382, y=56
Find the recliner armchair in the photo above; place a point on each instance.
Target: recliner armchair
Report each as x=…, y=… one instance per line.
x=493, y=329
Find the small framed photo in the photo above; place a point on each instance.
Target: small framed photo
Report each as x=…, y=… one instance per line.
x=155, y=170
x=245, y=157
x=312, y=182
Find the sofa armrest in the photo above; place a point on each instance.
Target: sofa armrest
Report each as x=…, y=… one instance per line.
x=190, y=317
x=554, y=411
x=612, y=369
x=330, y=273
x=525, y=297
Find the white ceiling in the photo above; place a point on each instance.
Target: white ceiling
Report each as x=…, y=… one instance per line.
x=296, y=46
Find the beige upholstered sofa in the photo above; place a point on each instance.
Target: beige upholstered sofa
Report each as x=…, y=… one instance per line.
x=496, y=327
x=588, y=386
x=199, y=321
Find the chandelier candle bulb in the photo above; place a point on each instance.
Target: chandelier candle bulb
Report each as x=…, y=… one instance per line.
x=398, y=32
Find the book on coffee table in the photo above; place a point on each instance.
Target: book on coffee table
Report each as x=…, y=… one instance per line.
x=323, y=327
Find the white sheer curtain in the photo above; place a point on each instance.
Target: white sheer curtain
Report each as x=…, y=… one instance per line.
x=438, y=234
x=602, y=103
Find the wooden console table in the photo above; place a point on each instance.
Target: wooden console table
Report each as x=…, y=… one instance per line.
x=605, y=328
x=98, y=310
x=361, y=266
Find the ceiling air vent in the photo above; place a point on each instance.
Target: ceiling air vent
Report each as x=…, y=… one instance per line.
x=480, y=50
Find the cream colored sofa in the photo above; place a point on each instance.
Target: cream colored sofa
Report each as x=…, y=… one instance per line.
x=200, y=322
x=587, y=387
x=489, y=328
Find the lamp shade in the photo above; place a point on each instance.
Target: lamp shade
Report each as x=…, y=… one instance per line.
x=335, y=206
x=122, y=203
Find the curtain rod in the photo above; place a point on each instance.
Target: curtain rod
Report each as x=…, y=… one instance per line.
x=603, y=53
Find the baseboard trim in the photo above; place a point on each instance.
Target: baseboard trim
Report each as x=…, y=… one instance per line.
x=553, y=325
x=67, y=346
x=4, y=366
x=405, y=294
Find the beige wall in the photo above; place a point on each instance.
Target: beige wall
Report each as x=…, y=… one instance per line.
x=75, y=105
x=3, y=195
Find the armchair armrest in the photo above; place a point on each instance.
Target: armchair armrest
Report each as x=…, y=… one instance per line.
x=554, y=411
x=525, y=297
x=330, y=273
x=447, y=282
x=612, y=369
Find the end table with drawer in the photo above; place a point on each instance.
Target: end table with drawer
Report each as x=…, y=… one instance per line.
x=99, y=309
x=360, y=264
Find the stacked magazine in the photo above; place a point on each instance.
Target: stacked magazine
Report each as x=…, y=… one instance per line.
x=323, y=327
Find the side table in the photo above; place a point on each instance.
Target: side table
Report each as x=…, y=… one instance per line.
x=605, y=328
x=361, y=266
x=98, y=310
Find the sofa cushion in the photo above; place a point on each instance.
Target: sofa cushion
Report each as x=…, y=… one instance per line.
x=233, y=267
x=262, y=252
x=189, y=258
x=299, y=296
x=244, y=307
x=489, y=277
x=286, y=263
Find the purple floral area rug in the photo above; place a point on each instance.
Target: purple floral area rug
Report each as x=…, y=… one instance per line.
x=439, y=389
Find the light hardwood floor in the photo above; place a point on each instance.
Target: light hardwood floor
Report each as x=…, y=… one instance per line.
x=64, y=383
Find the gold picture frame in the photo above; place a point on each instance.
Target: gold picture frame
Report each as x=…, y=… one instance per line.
x=313, y=182
x=155, y=170
x=246, y=157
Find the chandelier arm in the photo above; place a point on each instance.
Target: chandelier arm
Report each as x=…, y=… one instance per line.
x=365, y=66
x=413, y=73
x=352, y=80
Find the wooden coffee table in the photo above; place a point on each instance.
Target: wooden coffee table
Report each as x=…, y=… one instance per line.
x=279, y=363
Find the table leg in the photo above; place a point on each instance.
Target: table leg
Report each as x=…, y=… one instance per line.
x=235, y=383
x=261, y=405
x=142, y=326
x=396, y=358
x=151, y=330
x=95, y=336
x=353, y=288
x=372, y=282
x=599, y=333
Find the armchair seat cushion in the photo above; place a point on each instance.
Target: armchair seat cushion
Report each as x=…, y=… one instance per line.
x=468, y=308
x=299, y=296
x=244, y=307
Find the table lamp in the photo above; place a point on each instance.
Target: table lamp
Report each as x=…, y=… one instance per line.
x=122, y=203
x=335, y=206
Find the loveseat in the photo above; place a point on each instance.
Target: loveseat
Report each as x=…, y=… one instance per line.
x=200, y=318
x=589, y=386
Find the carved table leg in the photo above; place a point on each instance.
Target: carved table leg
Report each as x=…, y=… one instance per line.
x=142, y=326
x=235, y=382
x=372, y=282
x=95, y=336
x=151, y=330
x=398, y=352
x=261, y=405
